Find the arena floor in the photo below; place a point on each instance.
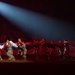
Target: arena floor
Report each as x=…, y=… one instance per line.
x=31, y=66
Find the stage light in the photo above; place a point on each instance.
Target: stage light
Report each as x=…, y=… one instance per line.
x=32, y=22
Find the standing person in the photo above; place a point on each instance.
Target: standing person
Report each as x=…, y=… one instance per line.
x=36, y=49
x=9, y=50
x=43, y=47
x=66, y=49
x=1, y=47
x=22, y=48
x=61, y=50
x=0, y=55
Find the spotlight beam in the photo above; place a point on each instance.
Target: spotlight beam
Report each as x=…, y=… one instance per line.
x=44, y=26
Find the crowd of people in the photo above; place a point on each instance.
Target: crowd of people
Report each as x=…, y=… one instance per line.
x=9, y=51
x=52, y=49
x=41, y=48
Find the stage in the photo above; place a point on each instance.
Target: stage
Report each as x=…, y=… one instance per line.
x=41, y=59
x=31, y=66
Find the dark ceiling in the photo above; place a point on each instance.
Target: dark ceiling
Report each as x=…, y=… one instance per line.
x=61, y=9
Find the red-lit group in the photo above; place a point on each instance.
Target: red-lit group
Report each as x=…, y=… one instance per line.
x=50, y=49
x=8, y=46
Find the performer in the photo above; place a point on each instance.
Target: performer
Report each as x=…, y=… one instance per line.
x=42, y=47
x=0, y=55
x=9, y=53
x=36, y=49
x=66, y=49
x=22, y=48
x=1, y=47
x=61, y=50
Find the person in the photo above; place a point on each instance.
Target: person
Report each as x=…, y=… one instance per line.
x=22, y=48
x=0, y=55
x=61, y=49
x=1, y=47
x=66, y=49
x=42, y=47
x=36, y=48
x=9, y=52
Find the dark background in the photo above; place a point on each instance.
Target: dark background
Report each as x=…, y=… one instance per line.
x=60, y=9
